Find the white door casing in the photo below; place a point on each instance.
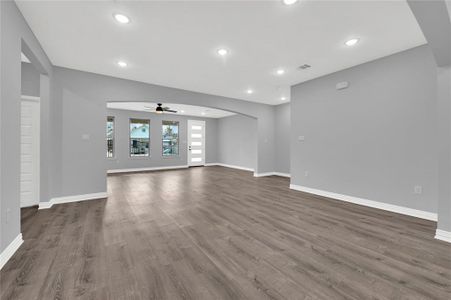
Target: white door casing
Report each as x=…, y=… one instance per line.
x=196, y=143
x=29, y=151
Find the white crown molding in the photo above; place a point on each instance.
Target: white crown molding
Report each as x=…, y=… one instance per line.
x=74, y=198
x=230, y=166
x=370, y=203
x=114, y=171
x=443, y=235
x=10, y=250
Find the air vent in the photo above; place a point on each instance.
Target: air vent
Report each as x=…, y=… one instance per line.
x=304, y=66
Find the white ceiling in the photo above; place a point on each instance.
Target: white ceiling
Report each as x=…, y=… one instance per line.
x=185, y=110
x=174, y=43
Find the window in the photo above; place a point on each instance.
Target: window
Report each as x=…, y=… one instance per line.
x=139, y=137
x=110, y=137
x=170, y=138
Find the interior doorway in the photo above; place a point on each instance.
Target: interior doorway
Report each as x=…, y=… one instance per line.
x=29, y=150
x=196, y=143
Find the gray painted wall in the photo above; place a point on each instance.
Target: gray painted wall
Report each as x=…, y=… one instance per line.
x=30, y=80
x=237, y=141
x=374, y=140
x=282, y=138
x=83, y=97
x=122, y=159
x=74, y=102
x=389, y=156
x=16, y=37
x=444, y=148
x=434, y=18
x=435, y=23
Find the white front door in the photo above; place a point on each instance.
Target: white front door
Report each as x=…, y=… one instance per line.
x=196, y=143
x=29, y=151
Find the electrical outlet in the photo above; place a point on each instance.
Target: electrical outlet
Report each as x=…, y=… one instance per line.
x=418, y=189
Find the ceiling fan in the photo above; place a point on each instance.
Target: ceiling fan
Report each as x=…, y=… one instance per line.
x=160, y=109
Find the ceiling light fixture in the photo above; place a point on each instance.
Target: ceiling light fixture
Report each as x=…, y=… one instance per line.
x=249, y=91
x=283, y=98
x=122, y=64
x=203, y=113
x=280, y=72
x=223, y=52
x=182, y=111
x=352, y=42
x=123, y=19
x=289, y=2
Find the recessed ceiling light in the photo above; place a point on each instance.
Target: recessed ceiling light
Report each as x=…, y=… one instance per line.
x=203, y=113
x=249, y=91
x=352, y=42
x=122, y=64
x=280, y=71
x=182, y=111
x=283, y=98
x=123, y=19
x=289, y=2
x=223, y=51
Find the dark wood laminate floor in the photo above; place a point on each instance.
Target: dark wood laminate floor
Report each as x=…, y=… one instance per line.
x=219, y=233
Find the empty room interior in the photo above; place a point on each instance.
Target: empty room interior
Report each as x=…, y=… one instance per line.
x=278, y=149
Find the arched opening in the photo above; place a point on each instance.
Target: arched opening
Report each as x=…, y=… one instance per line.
x=139, y=137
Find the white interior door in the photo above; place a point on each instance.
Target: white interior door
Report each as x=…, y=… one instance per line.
x=29, y=151
x=196, y=143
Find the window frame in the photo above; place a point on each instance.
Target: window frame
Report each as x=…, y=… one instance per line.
x=113, y=156
x=141, y=121
x=178, y=138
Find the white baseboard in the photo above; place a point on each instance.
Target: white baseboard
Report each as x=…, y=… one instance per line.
x=282, y=174
x=263, y=174
x=75, y=198
x=250, y=170
x=230, y=166
x=272, y=174
x=443, y=235
x=113, y=171
x=370, y=203
x=45, y=205
x=10, y=250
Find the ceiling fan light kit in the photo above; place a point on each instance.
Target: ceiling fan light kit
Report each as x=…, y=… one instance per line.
x=159, y=109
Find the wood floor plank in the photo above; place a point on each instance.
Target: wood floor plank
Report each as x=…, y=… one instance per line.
x=220, y=233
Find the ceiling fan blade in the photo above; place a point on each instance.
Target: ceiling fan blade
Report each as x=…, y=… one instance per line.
x=170, y=110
